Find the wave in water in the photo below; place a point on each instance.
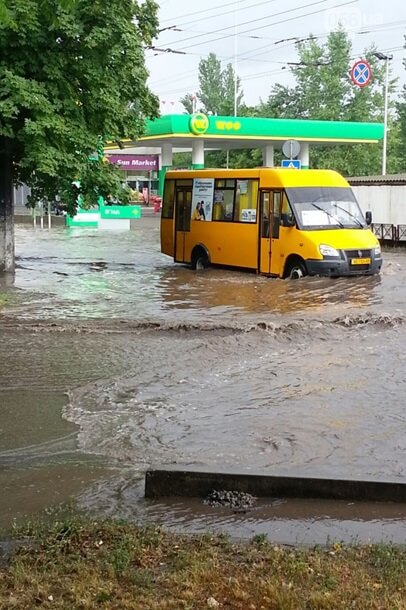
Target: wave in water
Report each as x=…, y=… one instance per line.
x=229, y=327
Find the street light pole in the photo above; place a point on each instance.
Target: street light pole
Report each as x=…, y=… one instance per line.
x=385, y=117
x=386, y=59
x=235, y=57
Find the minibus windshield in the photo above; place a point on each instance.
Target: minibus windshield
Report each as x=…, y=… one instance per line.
x=325, y=207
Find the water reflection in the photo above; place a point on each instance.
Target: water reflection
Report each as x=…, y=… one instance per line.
x=242, y=292
x=110, y=276
x=150, y=362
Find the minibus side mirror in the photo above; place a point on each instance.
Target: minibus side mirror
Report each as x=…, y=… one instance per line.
x=368, y=217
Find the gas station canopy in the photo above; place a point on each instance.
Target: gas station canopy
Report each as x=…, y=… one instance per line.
x=199, y=132
x=253, y=132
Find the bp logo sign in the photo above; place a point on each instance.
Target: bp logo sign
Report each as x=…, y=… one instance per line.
x=199, y=124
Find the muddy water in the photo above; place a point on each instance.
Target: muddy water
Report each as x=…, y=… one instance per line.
x=115, y=359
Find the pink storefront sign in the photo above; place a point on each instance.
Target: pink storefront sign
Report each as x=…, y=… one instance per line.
x=126, y=162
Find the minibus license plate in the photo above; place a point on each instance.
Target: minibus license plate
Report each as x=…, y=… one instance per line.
x=360, y=261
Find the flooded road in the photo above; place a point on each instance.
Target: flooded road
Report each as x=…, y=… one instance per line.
x=115, y=359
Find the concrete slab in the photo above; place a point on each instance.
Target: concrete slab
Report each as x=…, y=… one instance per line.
x=194, y=482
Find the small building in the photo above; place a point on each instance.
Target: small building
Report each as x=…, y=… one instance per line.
x=385, y=197
x=140, y=171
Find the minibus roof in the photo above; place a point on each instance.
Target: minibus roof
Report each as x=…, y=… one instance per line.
x=269, y=177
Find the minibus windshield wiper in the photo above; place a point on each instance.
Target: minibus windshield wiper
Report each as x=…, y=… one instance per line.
x=336, y=221
x=359, y=223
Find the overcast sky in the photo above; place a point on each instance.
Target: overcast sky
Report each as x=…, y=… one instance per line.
x=210, y=26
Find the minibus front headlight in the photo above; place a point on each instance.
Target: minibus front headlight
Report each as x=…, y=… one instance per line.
x=328, y=251
x=377, y=251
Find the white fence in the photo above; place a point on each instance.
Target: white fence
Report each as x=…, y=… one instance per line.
x=387, y=202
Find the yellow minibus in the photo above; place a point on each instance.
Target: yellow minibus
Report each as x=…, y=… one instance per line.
x=286, y=223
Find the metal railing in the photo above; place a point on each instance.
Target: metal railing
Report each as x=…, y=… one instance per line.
x=389, y=232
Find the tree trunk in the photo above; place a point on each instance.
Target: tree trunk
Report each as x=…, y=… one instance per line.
x=6, y=207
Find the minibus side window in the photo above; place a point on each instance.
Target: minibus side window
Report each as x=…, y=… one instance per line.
x=265, y=214
x=224, y=194
x=276, y=217
x=169, y=199
x=246, y=197
x=287, y=218
x=186, y=182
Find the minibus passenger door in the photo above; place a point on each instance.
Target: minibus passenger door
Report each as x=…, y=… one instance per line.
x=276, y=246
x=183, y=213
x=265, y=227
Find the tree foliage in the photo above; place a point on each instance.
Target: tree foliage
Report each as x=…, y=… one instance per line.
x=400, y=143
x=323, y=90
x=216, y=88
x=72, y=77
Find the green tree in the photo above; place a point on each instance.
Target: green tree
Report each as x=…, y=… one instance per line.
x=323, y=90
x=187, y=101
x=216, y=88
x=400, y=145
x=216, y=94
x=72, y=76
x=396, y=159
x=230, y=88
x=210, y=80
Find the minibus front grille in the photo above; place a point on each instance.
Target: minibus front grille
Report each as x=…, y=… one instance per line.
x=358, y=254
x=354, y=258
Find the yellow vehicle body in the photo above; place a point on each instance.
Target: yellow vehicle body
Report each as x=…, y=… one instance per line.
x=278, y=222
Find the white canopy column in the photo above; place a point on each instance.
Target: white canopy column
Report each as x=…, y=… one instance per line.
x=304, y=155
x=198, y=154
x=166, y=163
x=267, y=155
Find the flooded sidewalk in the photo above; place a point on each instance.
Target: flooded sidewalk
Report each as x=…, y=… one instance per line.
x=115, y=359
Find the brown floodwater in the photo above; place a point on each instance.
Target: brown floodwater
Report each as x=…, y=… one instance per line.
x=114, y=359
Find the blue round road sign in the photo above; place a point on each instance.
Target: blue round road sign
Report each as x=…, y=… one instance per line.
x=361, y=73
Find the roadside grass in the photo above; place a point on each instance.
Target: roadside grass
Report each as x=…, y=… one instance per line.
x=81, y=564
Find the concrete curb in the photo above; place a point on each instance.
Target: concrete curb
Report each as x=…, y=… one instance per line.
x=27, y=219
x=188, y=482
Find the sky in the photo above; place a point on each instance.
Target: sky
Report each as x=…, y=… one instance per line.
x=254, y=35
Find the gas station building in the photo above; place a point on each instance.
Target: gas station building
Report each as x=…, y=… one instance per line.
x=199, y=133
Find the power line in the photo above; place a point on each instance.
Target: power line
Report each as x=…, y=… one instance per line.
x=293, y=19
x=192, y=86
x=267, y=46
x=251, y=21
x=273, y=72
x=287, y=42
x=373, y=28
x=261, y=27
x=186, y=73
x=390, y=25
x=295, y=40
x=213, y=16
x=261, y=74
x=352, y=57
x=207, y=10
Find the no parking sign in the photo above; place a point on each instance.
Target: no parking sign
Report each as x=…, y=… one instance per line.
x=361, y=73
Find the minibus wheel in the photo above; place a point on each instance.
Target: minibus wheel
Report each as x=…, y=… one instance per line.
x=200, y=259
x=296, y=269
